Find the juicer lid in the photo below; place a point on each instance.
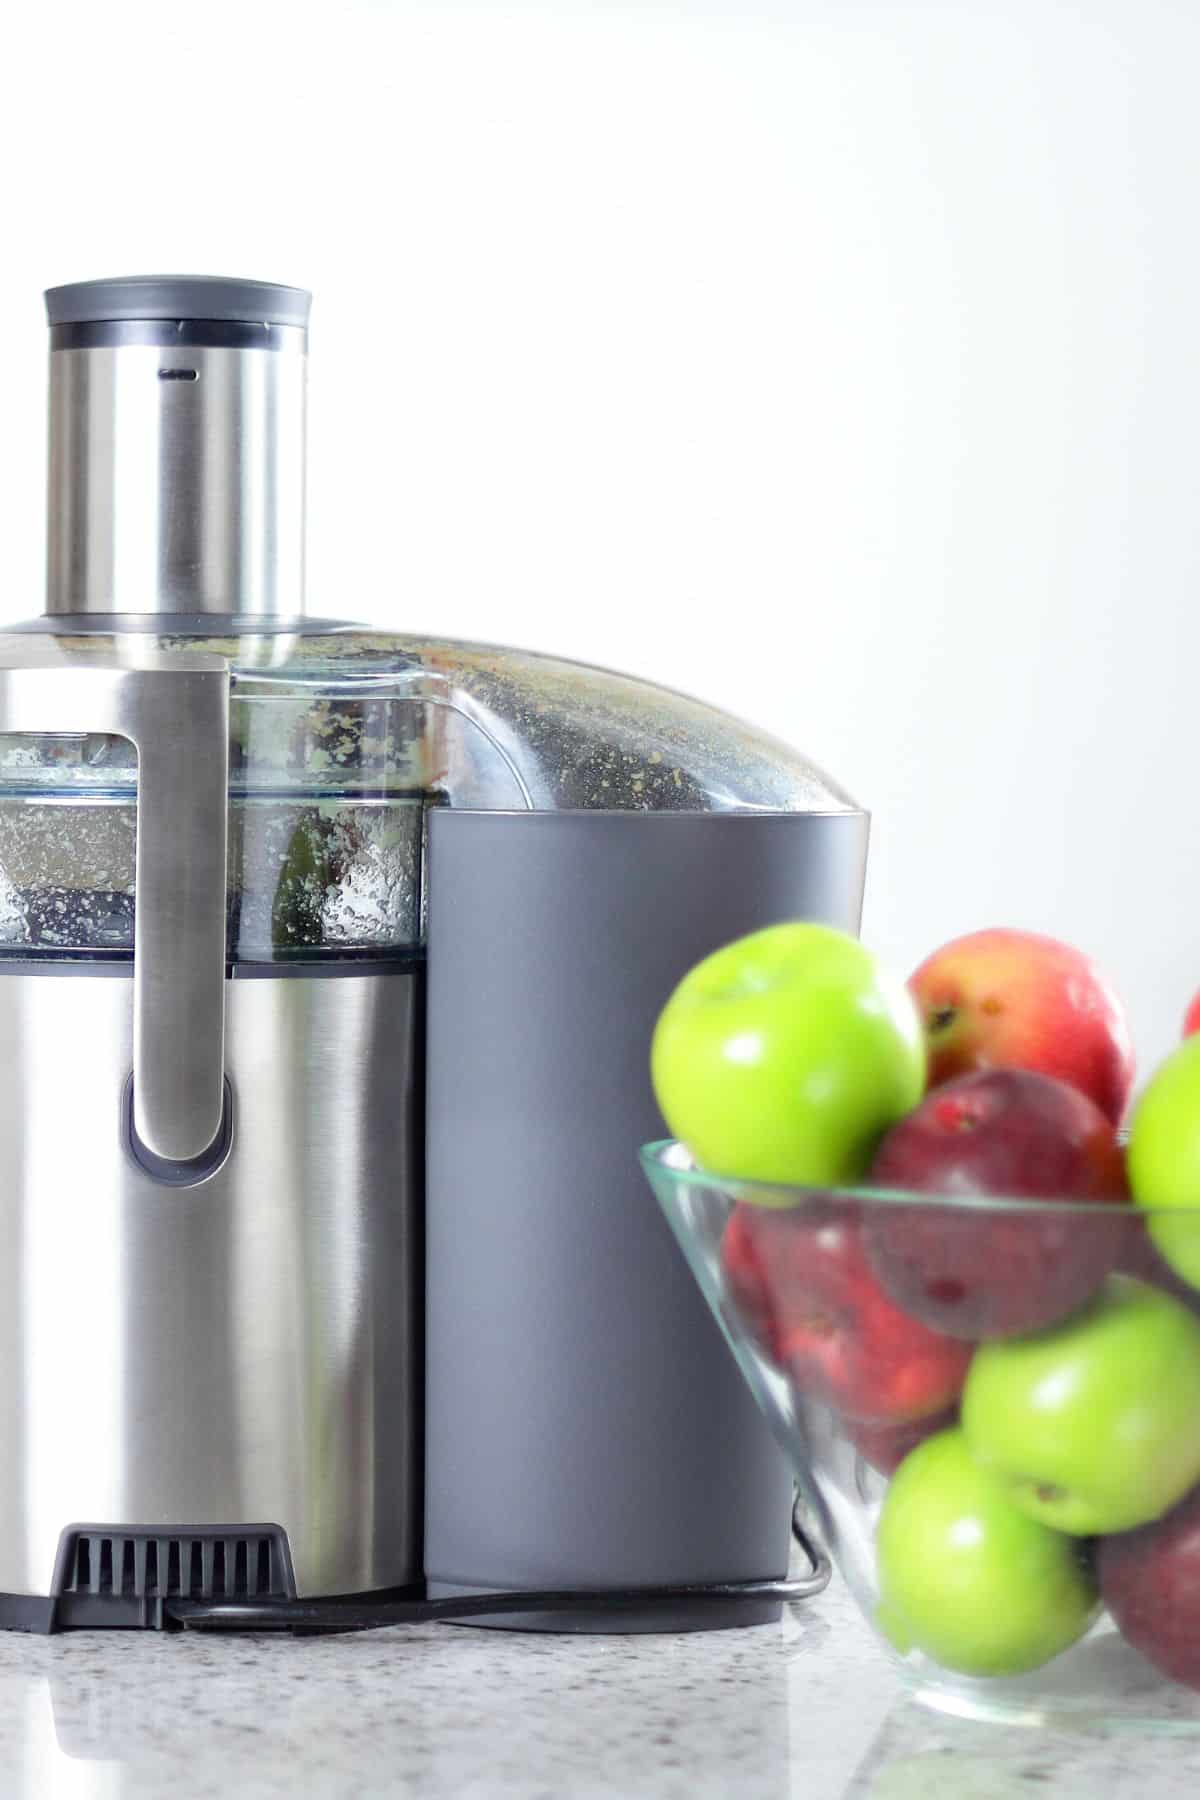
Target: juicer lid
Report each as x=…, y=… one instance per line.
x=216, y=297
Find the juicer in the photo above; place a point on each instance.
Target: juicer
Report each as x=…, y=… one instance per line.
x=329, y=959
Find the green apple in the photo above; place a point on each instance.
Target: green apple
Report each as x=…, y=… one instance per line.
x=969, y=1579
x=1164, y=1159
x=785, y=1056
x=1094, y=1424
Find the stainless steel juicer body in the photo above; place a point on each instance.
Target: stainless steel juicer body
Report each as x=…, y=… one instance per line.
x=328, y=964
x=235, y=1351
x=210, y=1161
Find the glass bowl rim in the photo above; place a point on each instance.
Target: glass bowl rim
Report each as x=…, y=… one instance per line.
x=653, y=1157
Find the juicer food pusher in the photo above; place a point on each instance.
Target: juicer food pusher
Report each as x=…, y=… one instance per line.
x=328, y=962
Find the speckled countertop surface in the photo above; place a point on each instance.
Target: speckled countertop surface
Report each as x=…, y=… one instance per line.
x=807, y=1709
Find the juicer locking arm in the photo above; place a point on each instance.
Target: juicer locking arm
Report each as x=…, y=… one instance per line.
x=174, y=709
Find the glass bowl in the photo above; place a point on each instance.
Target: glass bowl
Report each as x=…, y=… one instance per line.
x=795, y=1279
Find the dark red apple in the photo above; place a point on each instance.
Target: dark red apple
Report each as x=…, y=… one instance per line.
x=801, y=1282
x=1017, y=1000
x=984, y=1273
x=1150, y=1583
x=886, y=1446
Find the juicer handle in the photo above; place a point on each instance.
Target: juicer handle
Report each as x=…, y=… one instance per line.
x=174, y=709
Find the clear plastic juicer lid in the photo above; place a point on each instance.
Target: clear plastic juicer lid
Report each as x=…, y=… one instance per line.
x=340, y=739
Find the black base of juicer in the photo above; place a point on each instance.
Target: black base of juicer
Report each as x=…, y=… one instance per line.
x=601, y=1613
x=139, y=1579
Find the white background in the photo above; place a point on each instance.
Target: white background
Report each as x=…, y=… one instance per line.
x=836, y=362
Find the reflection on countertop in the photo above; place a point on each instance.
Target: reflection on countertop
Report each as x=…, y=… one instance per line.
x=804, y=1710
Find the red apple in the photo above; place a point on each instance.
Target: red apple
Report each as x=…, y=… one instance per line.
x=1191, y=1018
x=886, y=1446
x=976, y=1272
x=1015, y=1000
x=1150, y=1582
x=801, y=1282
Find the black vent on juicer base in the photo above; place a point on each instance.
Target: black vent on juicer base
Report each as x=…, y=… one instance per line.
x=114, y=1576
x=143, y=1563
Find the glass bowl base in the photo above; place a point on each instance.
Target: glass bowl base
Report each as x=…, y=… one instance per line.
x=1100, y=1686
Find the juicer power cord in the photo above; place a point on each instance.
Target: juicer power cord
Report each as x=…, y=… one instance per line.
x=313, y=1617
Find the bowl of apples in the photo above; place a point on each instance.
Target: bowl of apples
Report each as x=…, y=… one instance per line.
x=966, y=1299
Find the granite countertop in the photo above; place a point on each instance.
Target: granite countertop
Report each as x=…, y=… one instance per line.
x=807, y=1709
